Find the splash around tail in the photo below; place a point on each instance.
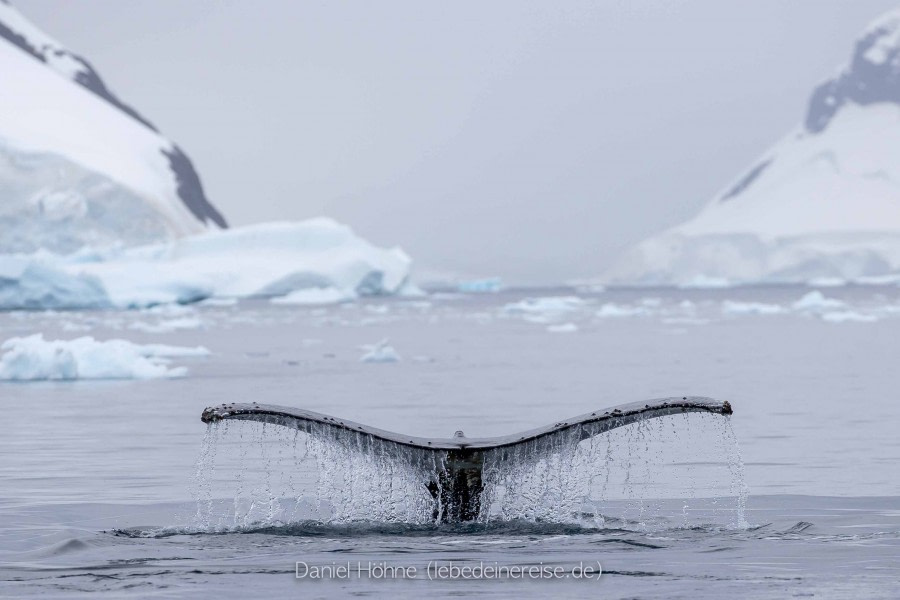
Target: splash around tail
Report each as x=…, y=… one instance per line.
x=455, y=480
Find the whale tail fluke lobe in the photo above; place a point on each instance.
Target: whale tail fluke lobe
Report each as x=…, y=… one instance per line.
x=455, y=475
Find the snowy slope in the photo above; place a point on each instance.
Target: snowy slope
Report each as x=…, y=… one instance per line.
x=77, y=166
x=822, y=203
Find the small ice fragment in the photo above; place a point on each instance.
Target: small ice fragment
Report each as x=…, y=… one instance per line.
x=167, y=325
x=610, y=310
x=547, y=304
x=379, y=353
x=72, y=326
x=734, y=307
x=705, y=282
x=377, y=309
x=480, y=286
x=563, y=328
x=848, y=316
x=815, y=301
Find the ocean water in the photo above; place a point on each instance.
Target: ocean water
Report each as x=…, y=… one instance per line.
x=116, y=489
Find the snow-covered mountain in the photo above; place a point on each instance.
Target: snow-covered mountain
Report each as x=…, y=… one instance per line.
x=99, y=210
x=78, y=167
x=824, y=202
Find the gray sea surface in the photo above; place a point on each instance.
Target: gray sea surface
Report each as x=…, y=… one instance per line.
x=99, y=480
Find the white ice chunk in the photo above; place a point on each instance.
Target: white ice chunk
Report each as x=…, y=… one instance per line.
x=168, y=325
x=33, y=358
x=733, y=307
x=381, y=352
x=610, y=310
x=34, y=283
x=816, y=301
x=563, y=328
x=547, y=304
x=480, y=286
x=848, y=316
x=705, y=282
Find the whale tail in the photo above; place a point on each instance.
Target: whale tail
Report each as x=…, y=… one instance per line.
x=456, y=477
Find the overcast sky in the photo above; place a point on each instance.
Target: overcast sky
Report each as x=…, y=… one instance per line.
x=532, y=140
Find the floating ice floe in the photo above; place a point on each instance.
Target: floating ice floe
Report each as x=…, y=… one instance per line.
x=272, y=259
x=563, y=328
x=218, y=302
x=480, y=286
x=733, y=307
x=544, y=309
x=33, y=358
x=816, y=301
x=167, y=326
x=545, y=304
x=848, y=316
x=705, y=282
x=72, y=326
x=381, y=352
x=377, y=309
x=611, y=310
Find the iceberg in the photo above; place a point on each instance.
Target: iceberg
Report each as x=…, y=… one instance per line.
x=265, y=260
x=35, y=282
x=33, y=358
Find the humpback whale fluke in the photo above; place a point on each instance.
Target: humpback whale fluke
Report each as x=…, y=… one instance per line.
x=456, y=484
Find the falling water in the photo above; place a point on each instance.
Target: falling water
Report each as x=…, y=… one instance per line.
x=655, y=473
